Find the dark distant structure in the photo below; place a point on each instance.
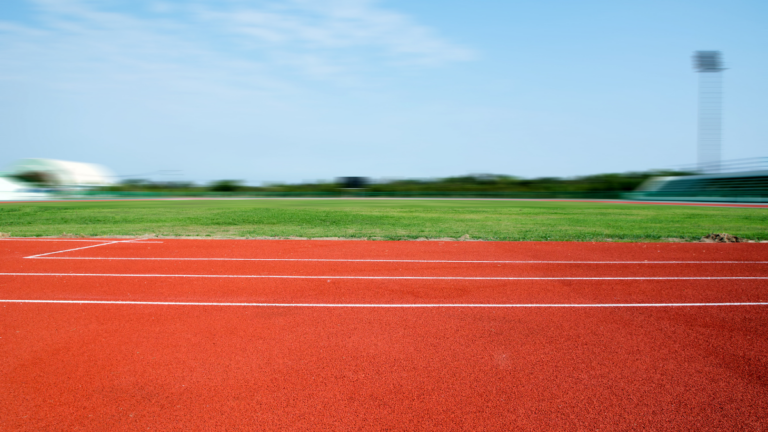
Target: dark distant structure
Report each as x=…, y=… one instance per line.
x=709, y=65
x=352, y=182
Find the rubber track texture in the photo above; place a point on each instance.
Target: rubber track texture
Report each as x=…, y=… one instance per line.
x=185, y=367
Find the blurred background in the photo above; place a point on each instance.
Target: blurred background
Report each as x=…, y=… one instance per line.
x=410, y=96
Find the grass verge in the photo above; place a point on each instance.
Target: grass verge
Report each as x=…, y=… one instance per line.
x=382, y=219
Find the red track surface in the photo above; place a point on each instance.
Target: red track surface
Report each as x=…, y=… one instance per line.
x=97, y=366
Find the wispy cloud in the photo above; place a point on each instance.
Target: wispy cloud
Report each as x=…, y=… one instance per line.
x=216, y=44
x=338, y=25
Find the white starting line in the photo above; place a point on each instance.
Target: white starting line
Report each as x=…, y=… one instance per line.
x=77, y=240
x=384, y=305
x=85, y=247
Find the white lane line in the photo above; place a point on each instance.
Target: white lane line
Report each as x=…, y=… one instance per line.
x=70, y=240
x=389, y=277
x=398, y=260
x=81, y=248
x=353, y=305
x=54, y=240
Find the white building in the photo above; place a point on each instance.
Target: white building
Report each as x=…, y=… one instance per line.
x=11, y=190
x=58, y=173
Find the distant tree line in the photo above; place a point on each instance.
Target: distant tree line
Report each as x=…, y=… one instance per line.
x=475, y=183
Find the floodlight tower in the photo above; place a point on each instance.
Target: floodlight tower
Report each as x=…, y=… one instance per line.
x=709, y=65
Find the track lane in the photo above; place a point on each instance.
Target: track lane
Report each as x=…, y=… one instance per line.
x=345, y=291
x=389, y=259
x=67, y=367
x=385, y=269
x=426, y=250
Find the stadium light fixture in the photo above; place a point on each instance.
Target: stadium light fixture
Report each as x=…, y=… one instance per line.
x=709, y=64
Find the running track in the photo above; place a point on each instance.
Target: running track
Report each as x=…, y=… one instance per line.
x=354, y=335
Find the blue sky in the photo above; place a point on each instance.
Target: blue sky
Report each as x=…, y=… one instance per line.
x=294, y=90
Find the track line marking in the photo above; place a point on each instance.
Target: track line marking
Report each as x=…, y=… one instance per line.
x=397, y=260
x=54, y=240
x=72, y=240
x=390, y=277
x=352, y=305
x=81, y=248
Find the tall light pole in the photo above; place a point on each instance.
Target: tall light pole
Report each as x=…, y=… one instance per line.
x=709, y=65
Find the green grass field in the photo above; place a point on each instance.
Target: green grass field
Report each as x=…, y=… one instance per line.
x=382, y=219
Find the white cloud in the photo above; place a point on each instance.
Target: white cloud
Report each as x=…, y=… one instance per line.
x=73, y=45
x=216, y=44
x=338, y=25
